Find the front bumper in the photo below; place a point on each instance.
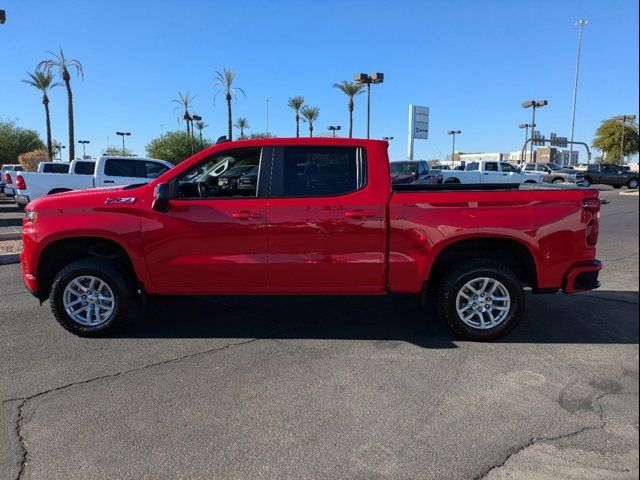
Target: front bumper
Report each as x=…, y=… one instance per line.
x=21, y=199
x=30, y=281
x=9, y=191
x=582, y=278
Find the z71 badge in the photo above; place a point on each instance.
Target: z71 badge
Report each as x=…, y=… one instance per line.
x=110, y=200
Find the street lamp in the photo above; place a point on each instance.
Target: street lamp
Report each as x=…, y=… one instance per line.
x=387, y=139
x=60, y=147
x=364, y=78
x=333, y=129
x=3, y=17
x=580, y=23
x=84, y=143
x=123, y=134
x=624, y=119
x=453, y=148
x=533, y=104
x=526, y=133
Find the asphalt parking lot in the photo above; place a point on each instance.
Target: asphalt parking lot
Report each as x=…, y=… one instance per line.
x=329, y=388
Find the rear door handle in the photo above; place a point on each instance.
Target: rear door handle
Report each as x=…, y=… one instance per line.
x=246, y=215
x=109, y=181
x=358, y=214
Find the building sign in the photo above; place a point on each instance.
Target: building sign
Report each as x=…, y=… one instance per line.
x=418, y=125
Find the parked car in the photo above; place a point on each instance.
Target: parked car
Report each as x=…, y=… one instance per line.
x=412, y=172
x=490, y=171
x=3, y=171
x=106, y=171
x=551, y=172
x=95, y=253
x=228, y=181
x=53, y=167
x=248, y=183
x=615, y=175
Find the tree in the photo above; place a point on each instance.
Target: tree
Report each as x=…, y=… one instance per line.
x=350, y=90
x=261, y=135
x=310, y=115
x=60, y=63
x=43, y=81
x=15, y=141
x=113, y=151
x=224, y=80
x=184, y=102
x=174, y=147
x=241, y=124
x=296, y=103
x=200, y=125
x=609, y=137
x=30, y=160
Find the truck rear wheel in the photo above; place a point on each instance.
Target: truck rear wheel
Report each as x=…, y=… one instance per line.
x=632, y=183
x=480, y=300
x=92, y=297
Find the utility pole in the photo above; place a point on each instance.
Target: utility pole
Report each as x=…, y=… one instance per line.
x=453, y=147
x=581, y=23
x=534, y=104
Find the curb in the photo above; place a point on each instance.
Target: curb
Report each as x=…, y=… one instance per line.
x=10, y=236
x=629, y=192
x=9, y=258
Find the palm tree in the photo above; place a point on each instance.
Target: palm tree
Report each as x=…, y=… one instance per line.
x=43, y=81
x=310, y=115
x=296, y=104
x=184, y=102
x=60, y=63
x=350, y=90
x=200, y=125
x=241, y=124
x=225, y=79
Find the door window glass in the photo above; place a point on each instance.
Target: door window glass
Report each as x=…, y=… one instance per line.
x=491, y=167
x=507, y=167
x=84, y=168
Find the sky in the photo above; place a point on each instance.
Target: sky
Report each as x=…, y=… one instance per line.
x=472, y=62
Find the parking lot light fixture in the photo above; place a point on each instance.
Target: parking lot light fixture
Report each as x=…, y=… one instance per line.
x=333, y=129
x=84, y=144
x=123, y=134
x=3, y=17
x=533, y=104
x=526, y=134
x=453, y=133
x=387, y=139
x=366, y=79
x=624, y=119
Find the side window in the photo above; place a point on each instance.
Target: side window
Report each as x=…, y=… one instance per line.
x=529, y=168
x=116, y=167
x=422, y=169
x=56, y=168
x=233, y=173
x=473, y=167
x=84, y=168
x=321, y=171
x=154, y=169
x=491, y=167
x=507, y=167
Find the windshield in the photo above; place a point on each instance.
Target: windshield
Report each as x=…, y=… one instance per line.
x=555, y=167
x=403, y=167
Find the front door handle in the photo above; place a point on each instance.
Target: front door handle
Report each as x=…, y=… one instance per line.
x=109, y=181
x=358, y=214
x=246, y=215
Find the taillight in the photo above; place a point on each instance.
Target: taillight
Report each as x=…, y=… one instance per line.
x=592, y=205
x=20, y=183
x=7, y=179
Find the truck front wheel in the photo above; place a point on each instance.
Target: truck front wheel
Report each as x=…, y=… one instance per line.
x=92, y=297
x=480, y=300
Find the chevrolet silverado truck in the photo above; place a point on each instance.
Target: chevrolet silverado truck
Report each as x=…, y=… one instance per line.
x=323, y=219
x=84, y=174
x=490, y=171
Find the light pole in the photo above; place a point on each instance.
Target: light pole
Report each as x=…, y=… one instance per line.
x=364, y=78
x=453, y=147
x=533, y=104
x=123, y=134
x=623, y=119
x=526, y=134
x=580, y=23
x=60, y=147
x=84, y=143
x=267, y=106
x=333, y=129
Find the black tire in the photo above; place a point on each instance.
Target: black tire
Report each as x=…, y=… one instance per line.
x=557, y=181
x=458, y=277
x=586, y=182
x=530, y=181
x=114, y=276
x=632, y=183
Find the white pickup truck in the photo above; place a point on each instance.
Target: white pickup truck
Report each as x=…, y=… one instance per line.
x=489, y=171
x=104, y=172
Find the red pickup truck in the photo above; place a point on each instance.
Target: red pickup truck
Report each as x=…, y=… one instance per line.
x=312, y=216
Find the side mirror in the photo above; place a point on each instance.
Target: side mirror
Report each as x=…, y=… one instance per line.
x=161, y=198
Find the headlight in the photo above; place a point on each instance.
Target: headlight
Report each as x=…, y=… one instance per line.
x=31, y=216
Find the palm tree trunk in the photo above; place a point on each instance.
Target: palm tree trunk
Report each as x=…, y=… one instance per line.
x=45, y=101
x=229, y=121
x=310, y=129
x=72, y=150
x=297, y=125
x=350, y=118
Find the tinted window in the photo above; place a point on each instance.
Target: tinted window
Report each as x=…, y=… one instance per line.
x=321, y=171
x=55, y=168
x=402, y=167
x=472, y=167
x=117, y=167
x=507, y=167
x=491, y=167
x=154, y=169
x=17, y=168
x=84, y=168
x=530, y=168
x=422, y=169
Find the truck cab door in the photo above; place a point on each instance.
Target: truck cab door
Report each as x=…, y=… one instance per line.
x=491, y=173
x=326, y=221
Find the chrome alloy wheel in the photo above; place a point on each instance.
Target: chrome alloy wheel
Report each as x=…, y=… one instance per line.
x=89, y=301
x=483, y=303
